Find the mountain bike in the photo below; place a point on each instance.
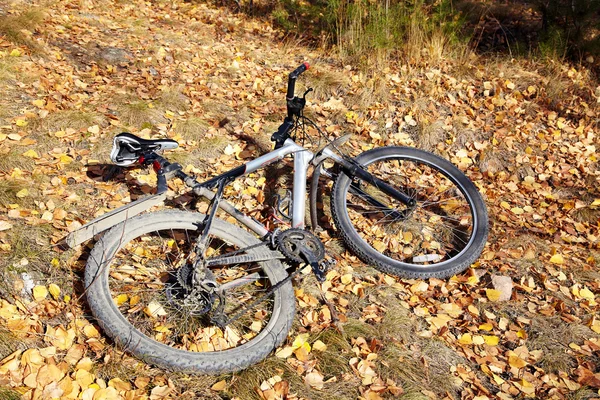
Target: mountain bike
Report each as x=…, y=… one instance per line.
x=191, y=292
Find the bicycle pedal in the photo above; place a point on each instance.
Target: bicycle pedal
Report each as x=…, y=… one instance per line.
x=318, y=271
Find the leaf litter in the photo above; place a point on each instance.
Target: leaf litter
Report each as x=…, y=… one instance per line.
x=481, y=331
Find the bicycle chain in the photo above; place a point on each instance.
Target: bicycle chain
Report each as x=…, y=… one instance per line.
x=237, y=315
x=256, y=301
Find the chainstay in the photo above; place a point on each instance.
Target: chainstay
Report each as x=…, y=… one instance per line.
x=235, y=252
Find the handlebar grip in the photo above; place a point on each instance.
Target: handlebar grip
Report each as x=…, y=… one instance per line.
x=292, y=79
x=303, y=67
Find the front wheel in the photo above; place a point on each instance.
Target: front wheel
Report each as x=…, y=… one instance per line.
x=440, y=235
x=139, y=288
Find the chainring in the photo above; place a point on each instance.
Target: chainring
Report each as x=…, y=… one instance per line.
x=289, y=241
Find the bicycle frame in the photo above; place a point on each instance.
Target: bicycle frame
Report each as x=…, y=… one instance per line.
x=302, y=159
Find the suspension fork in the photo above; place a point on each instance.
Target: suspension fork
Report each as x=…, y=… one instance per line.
x=353, y=170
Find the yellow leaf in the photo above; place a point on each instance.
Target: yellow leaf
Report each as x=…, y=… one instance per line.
x=134, y=300
x=22, y=193
x=515, y=361
x=595, y=203
x=31, y=154
x=90, y=331
x=346, y=279
x=5, y=225
x=15, y=53
x=302, y=352
x=300, y=340
x=39, y=103
x=161, y=328
x=466, y=339
x=586, y=294
x=21, y=122
x=120, y=299
x=285, y=352
x=486, y=327
x=55, y=263
x=40, y=292
x=319, y=346
x=493, y=294
x=557, y=259
x=221, y=385
x=491, y=340
x=54, y=290
x=154, y=309
x=478, y=339
x=379, y=246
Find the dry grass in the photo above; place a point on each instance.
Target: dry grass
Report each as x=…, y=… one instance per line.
x=335, y=359
x=429, y=135
x=9, y=394
x=10, y=187
x=552, y=335
x=326, y=84
x=354, y=328
x=30, y=243
x=118, y=365
x=173, y=99
x=139, y=114
x=584, y=393
x=243, y=384
x=7, y=69
x=8, y=344
x=194, y=386
x=374, y=90
x=587, y=215
x=192, y=128
x=204, y=150
x=17, y=28
x=425, y=365
x=397, y=323
x=62, y=120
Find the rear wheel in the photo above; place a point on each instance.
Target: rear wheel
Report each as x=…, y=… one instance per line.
x=441, y=235
x=139, y=288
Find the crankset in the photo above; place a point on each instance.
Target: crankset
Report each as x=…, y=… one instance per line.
x=301, y=246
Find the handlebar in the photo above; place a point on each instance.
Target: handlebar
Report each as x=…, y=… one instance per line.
x=292, y=79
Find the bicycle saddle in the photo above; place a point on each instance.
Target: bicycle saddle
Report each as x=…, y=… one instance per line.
x=127, y=148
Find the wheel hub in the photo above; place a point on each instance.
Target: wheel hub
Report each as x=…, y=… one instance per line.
x=182, y=294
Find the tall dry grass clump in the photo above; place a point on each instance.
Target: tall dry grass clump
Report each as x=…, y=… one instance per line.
x=378, y=32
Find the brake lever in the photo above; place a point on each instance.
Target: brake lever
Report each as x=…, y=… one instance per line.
x=307, y=92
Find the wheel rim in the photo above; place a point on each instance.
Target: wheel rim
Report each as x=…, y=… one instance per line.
x=437, y=231
x=145, y=283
